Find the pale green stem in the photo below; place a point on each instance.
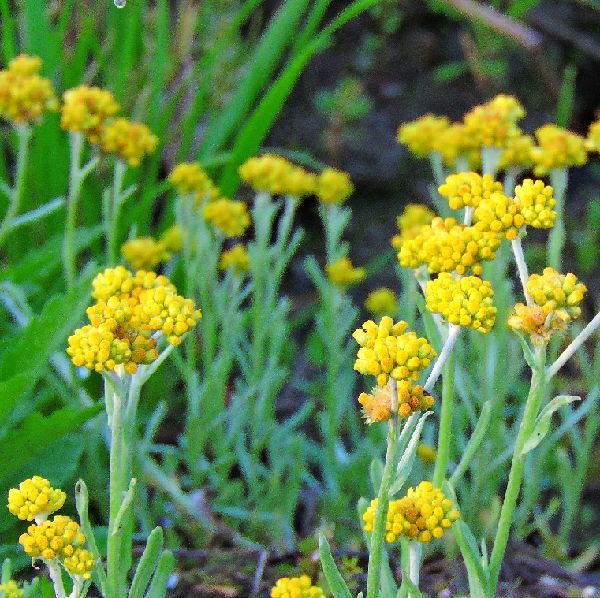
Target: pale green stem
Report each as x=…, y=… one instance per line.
x=112, y=226
x=379, y=524
x=437, y=167
x=517, y=249
x=510, y=180
x=559, y=178
x=445, y=430
x=414, y=562
x=515, y=478
x=75, y=183
x=16, y=193
x=490, y=158
x=55, y=576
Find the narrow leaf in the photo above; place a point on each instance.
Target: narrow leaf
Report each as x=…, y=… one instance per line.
x=334, y=578
x=148, y=563
x=158, y=587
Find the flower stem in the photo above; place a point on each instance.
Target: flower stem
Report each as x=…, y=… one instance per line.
x=414, y=562
x=112, y=226
x=24, y=135
x=443, y=357
x=379, y=524
x=515, y=478
x=445, y=431
x=56, y=577
x=559, y=178
x=517, y=249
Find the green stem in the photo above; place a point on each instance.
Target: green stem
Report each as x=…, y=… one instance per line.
x=379, y=524
x=445, y=431
x=16, y=194
x=437, y=168
x=414, y=562
x=112, y=226
x=559, y=178
x=532, y=407
x=75, y=182
x=490, y=158
x=56, y=577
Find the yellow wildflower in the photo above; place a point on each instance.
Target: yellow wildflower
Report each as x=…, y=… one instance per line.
x=499, y=214
x=12, y=590
x=230, y=217
x=35, y=499
x=422, y=136
x=172, y=238
x=467, y=301
x=536, y=203
x=130, y=141
x=386, y=349
x=296, y=587
x=377, y=406
x=557, y=148
x=558, y=293
x=534, y=320
x=456, y=143
x=144, y=253
x=236, y=259
x=85, y=110
x=423, y=514
x=81, y=563
x=468, y=189
x=342, y=273
x=382, y=302
x=24, y=64
x=593, y=139
x=190, y=177
x=334, y=186
x=413, y=217
x=59, y=537
x=518, y=153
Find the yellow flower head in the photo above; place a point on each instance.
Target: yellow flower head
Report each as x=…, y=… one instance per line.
x=536, y=203
x=80, y=564
x=190, y=177
x=25, y=96
x=518, y=153
x=423, y=514
x=85, y=110
x=494, y=123
x=557, y=148
x=144, y=253
x=558, y=293
x=593, y=139
x=128, y=140
x=382, y=302
x=468, y=189
x=422, y=136
x=386, y=349
x=342, y=273
x=334, y=186
x=455, y=142
x=499, y=214
x=35, y=499
x=413, y=217
x=172, y=238
x=236, y=259
x=445, y=246
x=12, y=590
x=296, y=587
x=535, y=321
x=426, y=453
x=277, y=175
x=377, y=406
x=229, y=216
x=466, y=301
x=56, y=538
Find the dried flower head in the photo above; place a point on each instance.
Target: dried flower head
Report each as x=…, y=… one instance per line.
x=144, y=253
x=468, y=189
x=536, y=203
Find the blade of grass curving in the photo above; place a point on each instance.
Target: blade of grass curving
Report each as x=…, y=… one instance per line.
x=566, y=98
x=158, y=587
x=312, y=24
x=336, y=582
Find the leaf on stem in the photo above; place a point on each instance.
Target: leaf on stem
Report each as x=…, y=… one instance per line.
x=336, y=582
x=148, y=563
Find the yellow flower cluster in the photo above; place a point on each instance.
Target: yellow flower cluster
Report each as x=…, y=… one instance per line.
x=413, y=217
x=144, y=253
x=466, y=301
x=172, y=238
x=229, y=216
x=593, y=139
x=445, y=246
x=426, y=453
x=85, y=110
x=382, y=302
x=25, y=96
x=422, y=136
x=11, y=589
x=296, y=587
x=56, y=538
x=334, y=186
x=558, y=293
x=128, y=140
x=342, y=273
x=536, y=203
x=499, y=214
x=468, y=189
x=557, y=148
x=423, y=514
x=130, y=310
x=377, y=406
x=494, y=123
x=81, y=563
x=277, y=175
x=35, y=499
x=455, y=143
x=534, y=320
x=190, y=177
x=236, y=259
x=518, y=152
x=386, y=349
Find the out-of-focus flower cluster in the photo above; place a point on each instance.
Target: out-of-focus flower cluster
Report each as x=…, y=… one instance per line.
x=382, y=302
x=296, y=587
x=235, y=259
x=342, y=273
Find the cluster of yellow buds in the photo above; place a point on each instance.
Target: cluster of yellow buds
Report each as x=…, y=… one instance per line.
x=517, y=153
x=190, y=177
x=55, y=538
x=466, y=301
x=558, y=293
x=382, y=302
x=557, y=148
x=534, y=321
x=377, y=406
x=229, y=216
x=236, y=259
x=423, y=135
x=536, y=203
x=342, y=273
x=334, y=186
x=457, y=144
x=35, y=499
x=296, y=587
x=413, y=217
x=277, y=175
x=423, y=514
x=494, y=123
x=130, y=311
x=386, y=349
x=592, y=142
x=499, y=214
x=468, y=189
x=145, y=253
x=445, y=246
x=11, y=589
x=128, y=140
x=81, y=563
x=25, y=96
x=85, y=110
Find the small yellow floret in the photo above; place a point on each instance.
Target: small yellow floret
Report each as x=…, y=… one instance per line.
x=12, y=590
x=413, y=217
x=172, y=238
x=334, y=186
x=592, y=142
x=559, y=293
x=499, y=214
x=342, y=273
x=56, y=538
x=144, y=253
x=468, y=189
x=557, y=148
x=24, y=64
x=35, y=499
x=236, y=259
x=456, y=143
x=518, y=153
x=382, y=302
x=130, y=141
x=190, y=177
x=81, y=563
x=422, y=136
x=296, y=587
x=536, y=203
x=229, y=216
